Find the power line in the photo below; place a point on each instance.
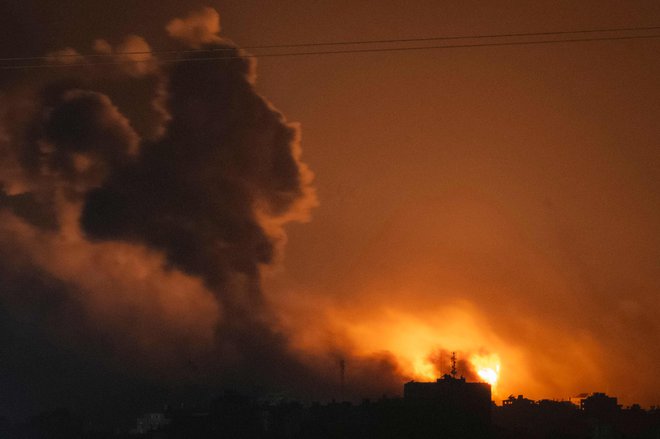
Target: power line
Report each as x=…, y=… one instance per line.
x=460, y=37
x=324, y=52
x=345, y=43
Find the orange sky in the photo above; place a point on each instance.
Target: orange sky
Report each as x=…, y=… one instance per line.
x=513, y=190
x=499, y=202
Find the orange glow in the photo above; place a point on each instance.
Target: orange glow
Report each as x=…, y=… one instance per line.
x=421, y=341
x=488, y=368
x=419, y=333
x=489, y=375
x=416, y=342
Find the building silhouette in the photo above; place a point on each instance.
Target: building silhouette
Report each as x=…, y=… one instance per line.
x=449, y=407
x=454, y=395
x=599, y=405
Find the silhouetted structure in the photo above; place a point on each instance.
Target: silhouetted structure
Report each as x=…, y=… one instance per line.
x=450, y=406
x=600, y=406
x=342, y=378
x=594, y=416
x=453, y=394
x=520, y=417
x=150, y=422
x=447, y=408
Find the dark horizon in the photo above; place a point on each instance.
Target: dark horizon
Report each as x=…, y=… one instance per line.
x=450, y=406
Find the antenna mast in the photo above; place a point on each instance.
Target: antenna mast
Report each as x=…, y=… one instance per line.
x=342, y=378
x=453, y=365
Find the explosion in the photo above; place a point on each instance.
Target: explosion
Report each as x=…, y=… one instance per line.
x=420, y=342
x=487, y=368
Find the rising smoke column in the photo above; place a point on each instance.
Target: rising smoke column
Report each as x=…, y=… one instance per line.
x=140, y=201
x=138, y=204
x=226, y=168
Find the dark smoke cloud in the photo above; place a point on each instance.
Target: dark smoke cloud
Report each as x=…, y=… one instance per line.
x=28, y=207
x=195, y=193
x=138, y=204
x=81, y=137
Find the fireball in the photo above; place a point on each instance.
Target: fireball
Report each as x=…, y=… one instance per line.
x=487, y=367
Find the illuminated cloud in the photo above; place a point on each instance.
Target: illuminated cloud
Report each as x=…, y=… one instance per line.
x=198, y=28
x=133, y=55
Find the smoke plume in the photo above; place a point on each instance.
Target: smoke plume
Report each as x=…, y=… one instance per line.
x=139, y=203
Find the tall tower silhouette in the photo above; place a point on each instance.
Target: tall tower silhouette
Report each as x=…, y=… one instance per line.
x=342, y=378
x=453, y=365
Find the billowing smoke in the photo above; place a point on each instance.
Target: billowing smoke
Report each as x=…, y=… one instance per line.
x=138, y=204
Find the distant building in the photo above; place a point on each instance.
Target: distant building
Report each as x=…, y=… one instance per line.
x=600, y=406
x=577, y=399
x=518, y=402
x=454, y=394
x=150, y=422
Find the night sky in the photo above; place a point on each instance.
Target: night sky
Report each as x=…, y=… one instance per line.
x=171, y=229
